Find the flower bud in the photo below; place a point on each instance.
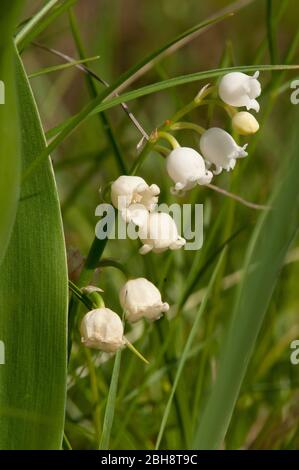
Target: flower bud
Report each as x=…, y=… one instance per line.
x=159, y=233
x=128, y=190
x=245, y=123
x=186, y=168
x=238, y=89
x=141, y=299
x=219, y=148
x=102, y=329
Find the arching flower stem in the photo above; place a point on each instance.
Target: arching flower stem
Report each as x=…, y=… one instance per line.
x=178, y=126
x=164, y=151
x=112, y=263
x=165, y=135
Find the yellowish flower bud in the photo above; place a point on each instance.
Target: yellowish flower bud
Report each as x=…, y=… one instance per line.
x=245, y=123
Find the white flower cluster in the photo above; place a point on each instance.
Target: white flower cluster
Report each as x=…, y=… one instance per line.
x=136, y=201
x=103, y=329
x=187, y=167
x=219, y=151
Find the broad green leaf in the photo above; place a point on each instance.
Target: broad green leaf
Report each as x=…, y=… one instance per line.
x=33, y=303
x=10, y=148
x=266, y=253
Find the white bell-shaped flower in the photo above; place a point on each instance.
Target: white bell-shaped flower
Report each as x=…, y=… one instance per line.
x=102, y=329
x=245, y=123
x=219, y=148
x=128, y=190
x=158, y=233
x=186, y=168
x=141, y=299
x=238, y=89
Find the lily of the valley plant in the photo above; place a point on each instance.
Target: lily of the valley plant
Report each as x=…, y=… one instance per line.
x=137, y=200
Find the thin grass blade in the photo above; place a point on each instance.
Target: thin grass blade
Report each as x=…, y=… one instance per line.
x=58, y=68
x=40, y=21
x=111, y=402
x=65, y=129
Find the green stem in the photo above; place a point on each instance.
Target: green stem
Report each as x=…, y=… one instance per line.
x=91, y=263
x=162, y=132
x=79, y=295
x=164, y=151
x=185, y=110
x=141, y=157
x=109, y=262
x=195, y=103
x=188, y=125
x=172, y=140
x=230, y=110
